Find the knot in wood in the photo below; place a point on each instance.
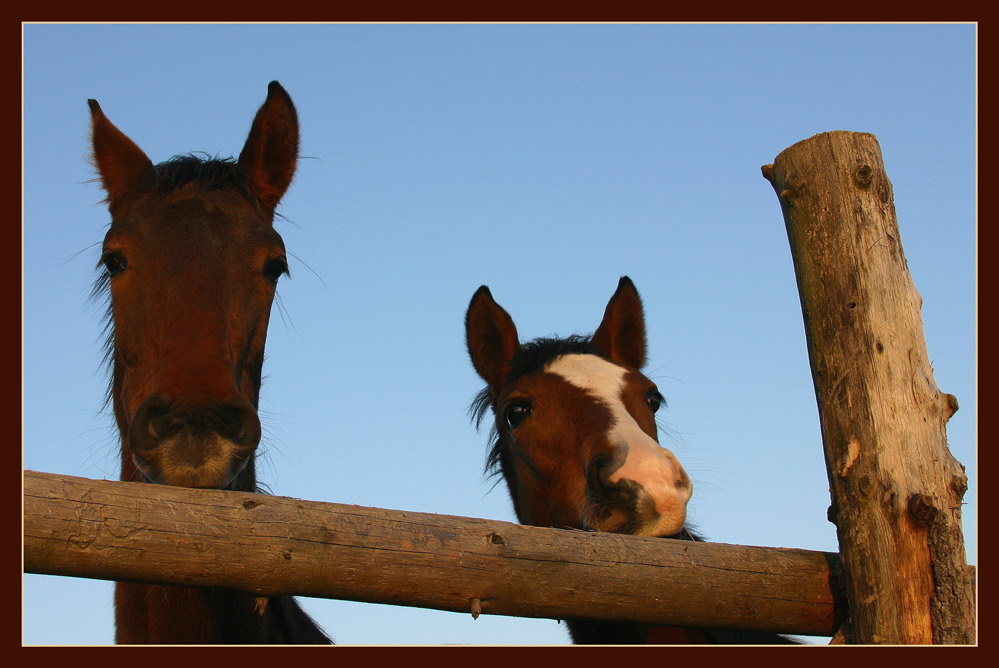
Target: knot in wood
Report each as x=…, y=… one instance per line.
x=496, y=539
x=864, y=176
x=794, y=188
x=959, y=484
x=921, y=509
x=864, y=486
x=950, y=405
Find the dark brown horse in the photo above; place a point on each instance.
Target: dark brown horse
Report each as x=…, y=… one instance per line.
x=191, y=263
x=577, y=443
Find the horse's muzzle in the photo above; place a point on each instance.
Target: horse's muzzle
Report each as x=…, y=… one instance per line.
x=624, y=505
x=193, y=446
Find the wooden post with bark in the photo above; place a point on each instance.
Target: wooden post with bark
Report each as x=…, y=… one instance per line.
x=896, y=488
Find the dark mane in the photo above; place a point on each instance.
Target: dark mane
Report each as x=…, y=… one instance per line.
x=205, y=172
x=530, y=357
x=208, y=173
x=535, y=355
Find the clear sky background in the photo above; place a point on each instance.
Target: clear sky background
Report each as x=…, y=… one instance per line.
x=545, y=161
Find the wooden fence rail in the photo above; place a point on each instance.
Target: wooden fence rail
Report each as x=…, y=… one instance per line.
x=272, y=545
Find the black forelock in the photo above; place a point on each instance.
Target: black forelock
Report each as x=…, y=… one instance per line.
x=535, y=355
x=205, y=172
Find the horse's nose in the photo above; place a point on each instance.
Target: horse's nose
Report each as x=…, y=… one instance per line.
x=194, y=446
x=642, y=489
x=158, y=420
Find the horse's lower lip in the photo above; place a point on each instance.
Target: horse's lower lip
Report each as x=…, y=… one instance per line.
x=152, y=478
x=682, y=534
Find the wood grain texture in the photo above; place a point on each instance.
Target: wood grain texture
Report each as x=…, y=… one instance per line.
x=273, y=545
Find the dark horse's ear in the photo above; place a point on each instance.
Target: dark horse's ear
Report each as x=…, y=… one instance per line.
x=621, y=334
x=271, y=150
x=121, y=164
x=491, y=338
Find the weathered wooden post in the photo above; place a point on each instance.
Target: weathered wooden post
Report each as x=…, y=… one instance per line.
x=896, y=488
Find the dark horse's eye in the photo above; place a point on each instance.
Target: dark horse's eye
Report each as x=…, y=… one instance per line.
x=515, y=414
x=114, y=263
x=275, y=268
x=654, y=400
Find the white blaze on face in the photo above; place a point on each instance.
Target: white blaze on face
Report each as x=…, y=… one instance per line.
x=645, y=462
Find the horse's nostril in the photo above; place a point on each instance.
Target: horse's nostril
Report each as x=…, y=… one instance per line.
x=598, y=474
x=148, y=425
x=239, y=422
x=158, y=420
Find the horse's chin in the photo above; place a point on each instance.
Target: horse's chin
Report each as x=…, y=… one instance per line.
x=682, y=534
x=622, y=521
x=220, y=475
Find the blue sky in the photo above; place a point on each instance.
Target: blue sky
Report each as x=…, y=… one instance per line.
x=544, y=161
